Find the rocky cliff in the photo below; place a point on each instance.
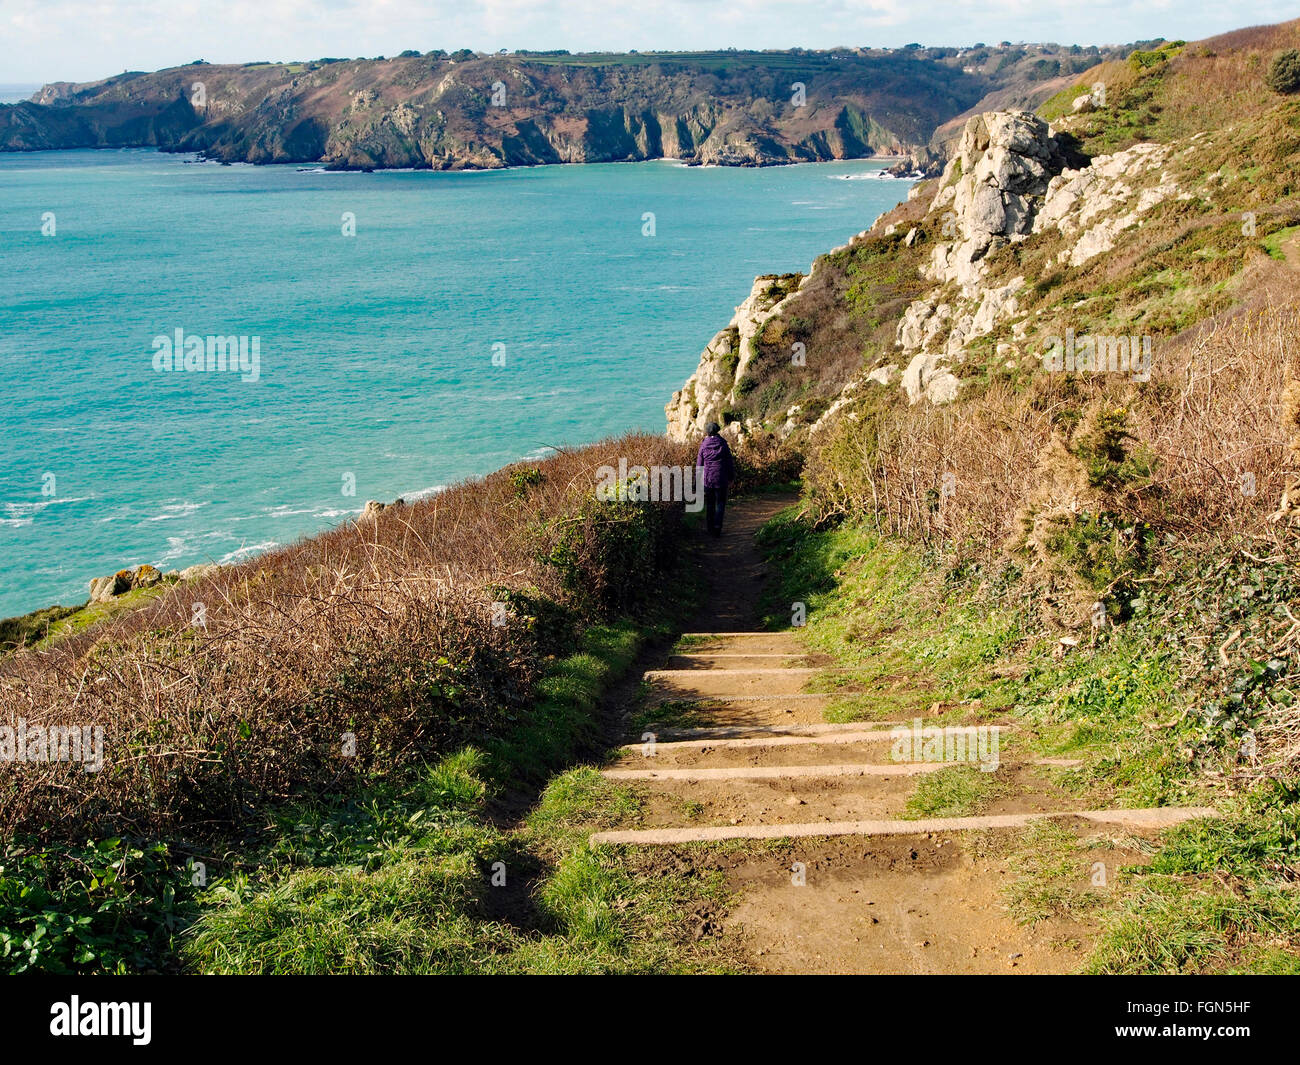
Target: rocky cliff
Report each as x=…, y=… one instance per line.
x=471, y=111
x=1017, y=203
x=710, y=393
x=1010, y=179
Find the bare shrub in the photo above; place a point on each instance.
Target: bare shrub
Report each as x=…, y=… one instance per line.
x=343, y=655
x=1212, y=419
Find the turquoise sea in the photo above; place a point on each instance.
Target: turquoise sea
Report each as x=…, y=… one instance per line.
x=375, y=351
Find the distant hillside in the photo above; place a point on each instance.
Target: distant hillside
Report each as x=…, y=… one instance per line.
x=466, y=110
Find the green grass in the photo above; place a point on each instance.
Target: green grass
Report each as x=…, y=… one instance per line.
x=1221, y=893
x=1053, y=874
x=31, y=629
x=93, y=613
x=564, y=722
x=423, y=902
x=1218, y=895
x=905, y=640
x=911, y=636
x=578, y=802
x=1104, y=707
x=42, y=627
x=1274, y=241
x=960, y=791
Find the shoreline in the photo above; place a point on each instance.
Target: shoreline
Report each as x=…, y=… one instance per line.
x=323, y=166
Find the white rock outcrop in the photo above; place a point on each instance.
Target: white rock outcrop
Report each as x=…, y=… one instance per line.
x=1009, y=180
x=990, y=190
x=1096, y=204
x=711, y=389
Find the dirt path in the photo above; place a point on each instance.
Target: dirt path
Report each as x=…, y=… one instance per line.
x=806, y=818
x=1291, y=252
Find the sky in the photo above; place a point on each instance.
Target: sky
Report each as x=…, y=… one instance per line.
x=82, y=40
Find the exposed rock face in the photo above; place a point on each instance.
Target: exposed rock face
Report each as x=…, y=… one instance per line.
x=145, y=576
x=924, y=163
x=1094, y=205
x=990, y=190
x=1008, y=180
x=988, y=197
x=104, y=589
x=711, y=390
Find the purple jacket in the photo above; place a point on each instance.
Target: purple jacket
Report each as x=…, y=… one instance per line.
x=715, y=460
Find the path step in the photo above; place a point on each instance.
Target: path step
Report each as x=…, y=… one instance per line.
x=779, y=772
x=740, y=731
x=692, y=683
x=737, y=635
x=737, y=663
x=1150, y=817
x=739, y=654
x=677, y=674
x=732, y=711
x=850, y=734
x=742, y=643
x=758, y=698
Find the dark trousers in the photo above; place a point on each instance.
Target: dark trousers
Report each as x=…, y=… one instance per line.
x=715, y=503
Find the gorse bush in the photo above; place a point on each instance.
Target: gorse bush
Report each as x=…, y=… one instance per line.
x=1283, y=75
x=1103, y=447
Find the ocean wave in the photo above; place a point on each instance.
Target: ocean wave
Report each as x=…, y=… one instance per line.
x=176, y=547
x=241, y=553
x=282, y=510
x=170, y=511
x=28, y=508
x=875, y=175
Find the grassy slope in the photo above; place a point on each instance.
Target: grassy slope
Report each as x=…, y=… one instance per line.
x=420, y=865
x=1191, y=258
